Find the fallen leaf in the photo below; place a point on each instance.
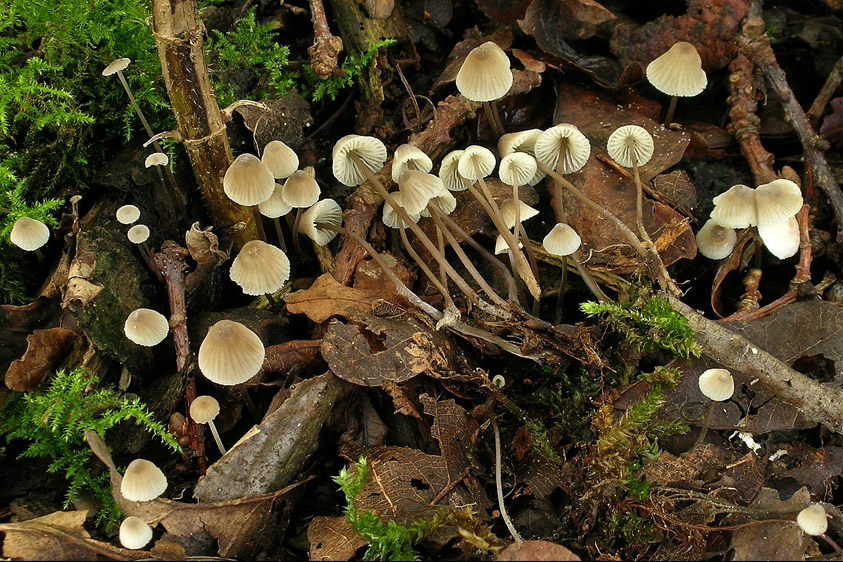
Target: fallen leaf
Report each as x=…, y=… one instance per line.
x=17, y=322
x=291, y=355
x=455, y=432
x=326, y=298
x=670, y=470
x=832, y=127
x=44, y=349
x=370, y=277
x=819, y=470
x=774, y=540
x=568, y=19
x=284, y=118
x=537, y=550
x=504, y=11
x=333, y=538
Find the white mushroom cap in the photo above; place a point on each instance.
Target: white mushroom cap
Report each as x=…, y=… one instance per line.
x=479, y=154
x=390, y=217
x=562, y=240
x=407, y=154
x=260, y=268
x=449, y=171
x=275, y=206
x=565, y=142
x=508, y=212
x=146, y=327
x=29, y=234
x=138, y=234
x=522, y=141
x=678, y=72
x=301, y=190
x=204, y=409
x=735, y=207
x=281, y=160
x=156, y=159
x=485, y=74
x=715, y=241
x=134, y=533
x=248, y=181
x=127, y=214
x=781, y=239
x=417, y=188
x=230, y=354
x=777, y=201
x=370, y=150
x=628, y=141
x=325, y=211
x=444, y=201
x=717, y=384
x=115, y=66
x=143, y=481
x=813, y=520
x=517, y=168
x=501, y=247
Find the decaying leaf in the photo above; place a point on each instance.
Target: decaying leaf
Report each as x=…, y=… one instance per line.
x=326, y=298
x=549, y=21
x=670, y=470
x=454, y=431
x=17, y=322
x=333, y=538
x=44, y=349
x=819, y=469
x=537, y=550
x=774, y=540
x=284, y=118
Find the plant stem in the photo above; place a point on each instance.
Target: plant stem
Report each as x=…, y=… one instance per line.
x=442, y=288
x=670, y=110
x=216, y=435
x=706, y=422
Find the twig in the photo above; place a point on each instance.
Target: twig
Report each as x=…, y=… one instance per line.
x=326, y=46
x=828, y=89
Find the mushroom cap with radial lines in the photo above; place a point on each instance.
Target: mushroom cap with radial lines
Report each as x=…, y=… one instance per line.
x=115, y=66
x=562, y=240
x=156, y=159
x=29, y=234
x=485, y=74
x=517, y=168
x=417, y=188
x=138, y=234
x=326, y=211
x=508, y=212
x=248, y=181
x=479, y=155
x=127, y=214
x=146, y=327
x=301, y=190
x=678, y=72
x=390, y=217
x=449, y=171
x=565, y=142
x=230, y=354
x=407, y=154
x=628, y=141
x=777, y=201
x=204, y=409
x=715, y=241
x=521, y=141
x=501, y=247
x=717, y=384
x=143, y=481
x=444, y=201
x=370, y=150
x=134, y=533
x=260, y=268
x=280, y=159
x=813, y=520
x=781, y=239
x=735, y=207
x=275, y=206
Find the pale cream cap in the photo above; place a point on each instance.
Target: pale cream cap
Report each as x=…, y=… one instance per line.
x=127, y=214
x=390, y=217
x=146, y=327
x=280, y=159
x=134, y=533
x=260, y=268
x=407, y=154
x=449, y=171
x=248, y=181
x=735, y=207
x=275, y=206
x=562, y=240
x=370, y=150
x=156, y=159
x=485, y=74
x=678, y=72
x=517, y=168
x=230, y=354
x=565, y=142
x=777, y=201
x=715, y=241
x=444, y=201
x=717, y=384
x=525, y=212
x=29, y=234
x=138, y=234
x=115, y=66
x=628, y=141
x=301, y=190
x=781, y=239
x=325, y=211
x=143, y=481
x=480, y=155
x=813, y=520
x=521, y=141
x=204, y=409
x=417, y=188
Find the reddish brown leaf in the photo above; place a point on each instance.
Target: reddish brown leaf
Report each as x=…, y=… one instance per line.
x=774, y=540
x=44, y=349
x=455, y=432
x=537, y=550
x=333, y=538
x=326, y=298
x=17, y=322
x=569, y=19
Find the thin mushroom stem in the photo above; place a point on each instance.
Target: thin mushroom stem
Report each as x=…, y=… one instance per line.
x=670, y=110
x=531, y=257
x=442, y=288
x=499, y=484
x=493, y=118
x=258, y=218
x=563, y=281
x=440, y=242
x=144, y=250
x=706, y=422
x=832, y=544
x=588, y=279
x=281, y=243
x=639, y=201
x=216, y=435
x=296, y=225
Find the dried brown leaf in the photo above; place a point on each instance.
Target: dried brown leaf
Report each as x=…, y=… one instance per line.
x=44, y=349
x=774, y=540
x=669, y=470
x=455, y=432
x=284, y=119
x=333, y=538
x=537, y=550
x=326, y=298
x=17, y=322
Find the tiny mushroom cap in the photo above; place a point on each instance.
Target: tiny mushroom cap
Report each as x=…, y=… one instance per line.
x=717, y=384
x=370, y=150
x=449, y=171
x=134, y=533
x=735, y=207
x=417, y=188
x=630, y=141
x=156, y=159
x=326, y=211
x=143, y=481
x=230, y=354
x=260, y=268
x=138, y=234
x=813, y=520
x=565, y=142
x=127, y=214
x=248, y=181
x=204, y=409
x=275, y=206
x=479, y=154
x=301, y=190
x=29, y=234
x=781, y=239
x=678, y=72
x=517, y=168
x=407, y=154
x=444, y=201
x=522, y=141
x=281, y=160
x=390, y=217
x=508, y=212
x=562, y=240
x=777, y=201
x=501, y=247
x=715, y=241
x=485, y=74
x=146, y=327
x=116, y=66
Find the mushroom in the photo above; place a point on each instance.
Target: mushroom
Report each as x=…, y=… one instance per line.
x=156, y=159
x=417, y=188
x=230, y=354
x=522, y=141
x=322, y=221
x=204, y=409
x=274, y=208
x=134, y=533
x=143, y=481
x=564, y=149
x=735, y=207
x=300, y=191
x=138, y=235
x=146, y=327
x=159, y=160
x=718, y=386
x=777, y=201
x=677, y=73
x=813, y=520
x=409, y=157
x=449, y=171
x=563, y=241
x=632, y=146
x=715, y=241
x=260, y=269
x=249, y=182
x=127, y=214
x=485, y=76
x=280, y=159
x=29, y=234
x=781, y=239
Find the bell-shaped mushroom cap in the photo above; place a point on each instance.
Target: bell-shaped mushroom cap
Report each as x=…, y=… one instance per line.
x=260, y=268
x=485, y=74
x=444, y=201
x=407, y=155
x=29, y=234
x=275, y=206
x=562, y=240
x=781, y=239
x=156, y=159
x=248, y=181
x=417, y=188
x=230, y=354
x=813, y=520
x=449, y=171
x=116, y=66
x=517, y=168
x=735, y=207
x=483, y=158
x=715, y=241
x=326, y=211
x=301, y=190
x=777, y=201
x=134, y=533
x=717, y=384
x=565, y=142
x=522, y=141
x=146, y=327
x=281, y=160
x=508, y=212
x=390, y=217
x=628, y=141
x=204, y=409
x=143, y=481
x=501, y=247
x=678, y=72
x=127, y=214
x=138, y=234
x=370, y=150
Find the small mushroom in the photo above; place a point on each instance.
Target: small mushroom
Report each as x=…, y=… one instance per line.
x=30, y=234
x=156, y=159
x=280, y=159
x=777, y=201
x=417, y=188
x=260, y=269
x=134, y=533
x=449, y=171
x=409, y=157
x=127, y=214
x=138, y=235
x=274, y=208
x=146, y=327
x=322, y=222
x=718, y=386
x=781, y=239
x=715, y=241
x=249, y=182
x=143, y=481
x=677, y=73
x=486, y=76
x=813, y=520
x=203, y=410
x=735, y=207
x=632, y=146
x=230, y=354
